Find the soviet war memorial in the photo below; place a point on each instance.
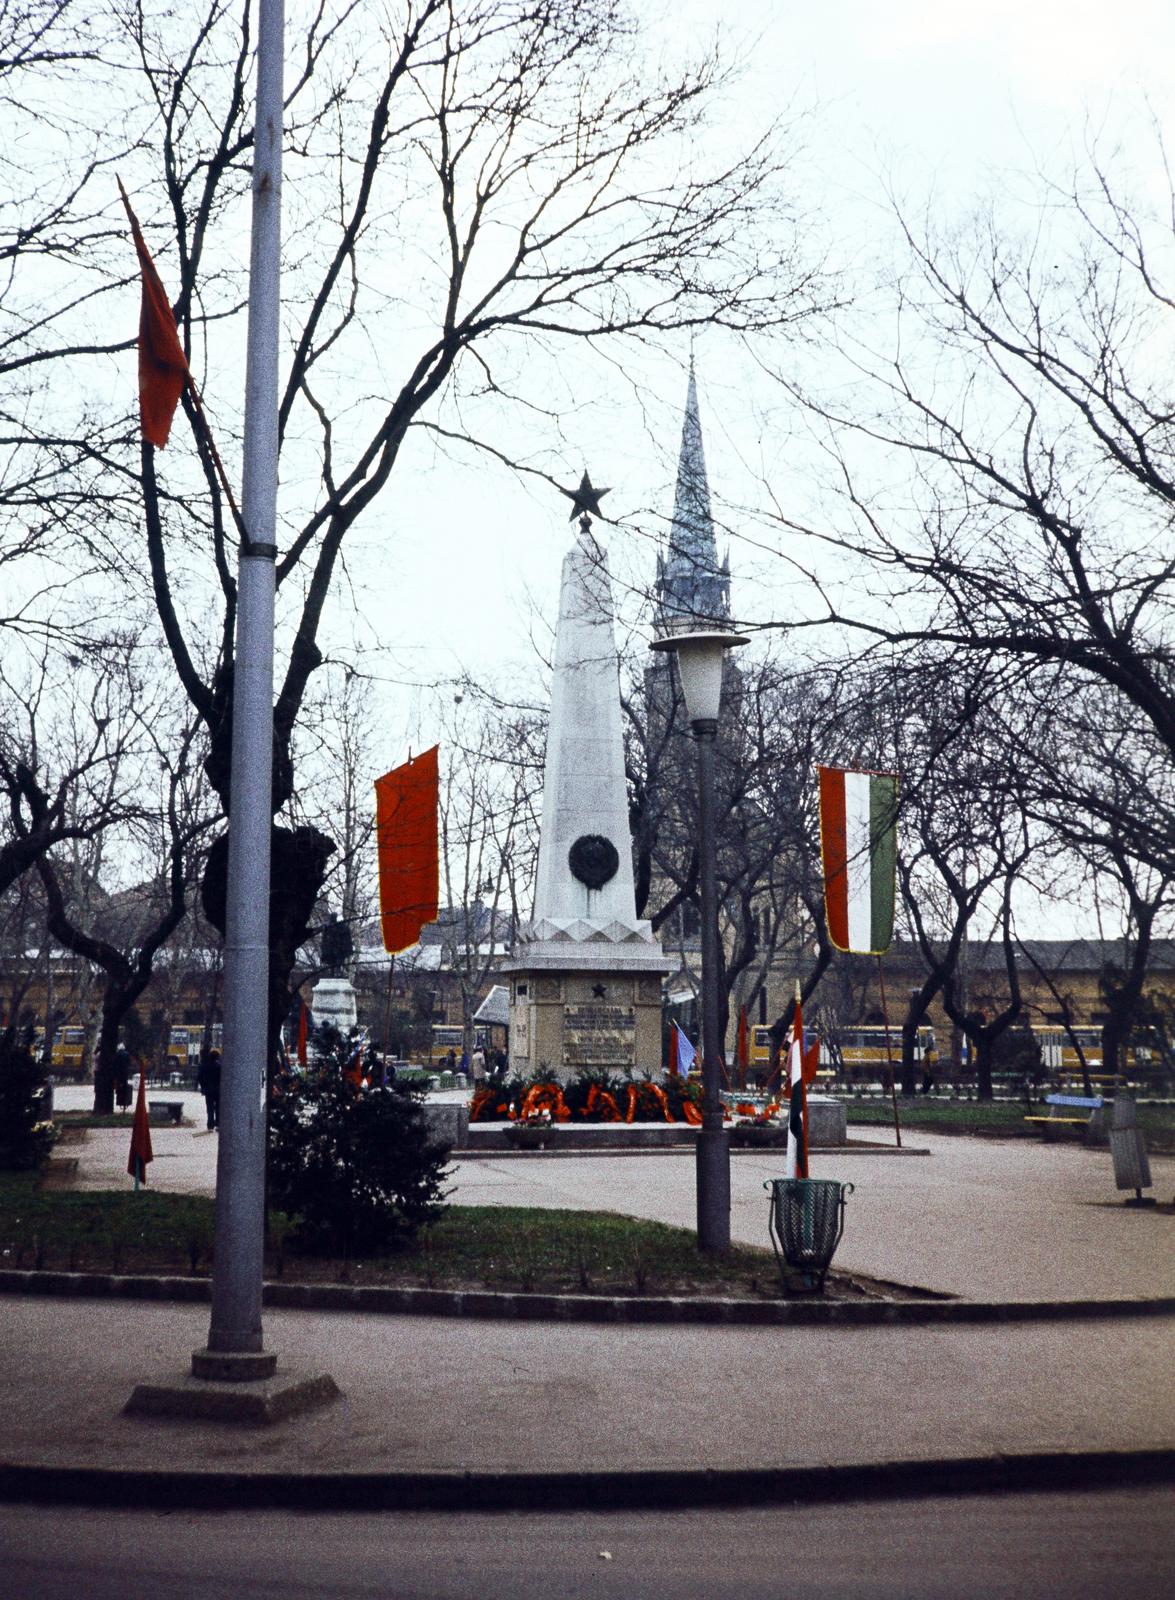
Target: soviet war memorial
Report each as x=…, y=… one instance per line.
x=587, y=759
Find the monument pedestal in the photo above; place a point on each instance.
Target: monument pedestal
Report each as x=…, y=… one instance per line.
x=585, y=1017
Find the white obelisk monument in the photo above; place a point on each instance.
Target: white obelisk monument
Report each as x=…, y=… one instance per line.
x=585, y=978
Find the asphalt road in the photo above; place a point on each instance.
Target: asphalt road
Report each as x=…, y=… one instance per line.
x=1080, y=1546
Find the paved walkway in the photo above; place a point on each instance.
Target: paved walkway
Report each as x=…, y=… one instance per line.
x=430, y=1395
x=982, y=1218
x=444, y=1394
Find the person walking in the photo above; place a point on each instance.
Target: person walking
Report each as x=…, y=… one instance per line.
x=122, y=1078
x=479, y=1067
x=208, y=1083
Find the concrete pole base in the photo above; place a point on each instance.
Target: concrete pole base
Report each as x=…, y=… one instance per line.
x=233, y=1366
x=256, y=1401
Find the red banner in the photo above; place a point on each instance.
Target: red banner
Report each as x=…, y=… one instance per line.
x=406, y=836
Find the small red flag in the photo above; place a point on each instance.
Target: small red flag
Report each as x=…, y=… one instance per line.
x=302, y=1033
x=140, y=1134
x=406, y=836
x=744, y=1054
x=163, y=367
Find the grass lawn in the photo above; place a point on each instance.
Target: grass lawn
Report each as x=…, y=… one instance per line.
x=1000, y=1117
x=963, y=1116
x=469, y=1247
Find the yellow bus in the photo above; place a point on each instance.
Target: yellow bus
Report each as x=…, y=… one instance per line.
x=67, y=1053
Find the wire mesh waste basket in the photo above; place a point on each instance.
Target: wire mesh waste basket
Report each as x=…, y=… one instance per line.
x=806, y=1221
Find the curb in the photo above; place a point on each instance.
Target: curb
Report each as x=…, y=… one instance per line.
x=497, y=1306
x=483, y=1149
x=660, y=1488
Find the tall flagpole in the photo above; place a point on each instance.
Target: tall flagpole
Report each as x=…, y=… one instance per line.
x=235, y=1329
x=893, y=1088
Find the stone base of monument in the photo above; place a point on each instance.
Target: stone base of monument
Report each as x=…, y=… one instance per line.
x=247, y=1388
x=828, y=1122
x=827, y=1129
x=601, y=1010
x=448, y=1124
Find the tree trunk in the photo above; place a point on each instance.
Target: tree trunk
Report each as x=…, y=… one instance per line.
x=104, y=1060
x=982, y=1048
x=909, y=1042
x=297, y=873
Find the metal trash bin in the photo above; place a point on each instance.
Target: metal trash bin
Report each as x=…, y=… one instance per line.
x=1132, y=1169
x=806, y=1222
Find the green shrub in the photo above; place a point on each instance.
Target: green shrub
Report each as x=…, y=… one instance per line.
x=26, y=1130
x=354, y=1168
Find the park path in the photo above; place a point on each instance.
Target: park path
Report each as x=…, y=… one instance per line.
x=434, y=1393
x=986, y=1219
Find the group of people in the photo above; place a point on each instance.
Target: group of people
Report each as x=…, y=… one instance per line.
x=207, y=1081
x=480, y=1065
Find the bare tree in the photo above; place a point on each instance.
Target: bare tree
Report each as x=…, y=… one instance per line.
x=66, y=725
x=172, y=841
x=491, y=782
x=1026, y=391
x=769, y=894
x=518, y=172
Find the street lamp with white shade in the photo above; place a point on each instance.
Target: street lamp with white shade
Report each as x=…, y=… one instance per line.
x=701, y=655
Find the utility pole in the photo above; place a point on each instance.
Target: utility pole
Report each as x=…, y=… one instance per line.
x=235, y=1329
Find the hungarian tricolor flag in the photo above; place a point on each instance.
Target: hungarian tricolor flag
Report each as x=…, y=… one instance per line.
x=802, y=1062
x=858, y=844
x=406, y=837
x=163, y=367
x=140, y=1135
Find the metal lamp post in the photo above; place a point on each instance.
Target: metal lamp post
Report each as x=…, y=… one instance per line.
x=235, y=1348
x=700, y=658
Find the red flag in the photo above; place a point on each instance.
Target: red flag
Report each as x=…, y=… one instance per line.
x=140, y=1134
x=673, y=1049
x=302, y=1033
x=406, y=836
x=744, y=1054
x=812, y=1061
x=163, y=367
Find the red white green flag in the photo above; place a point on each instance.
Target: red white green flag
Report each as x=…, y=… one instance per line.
x=858, y=844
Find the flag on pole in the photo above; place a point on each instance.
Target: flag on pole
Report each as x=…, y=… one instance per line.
x=858, y=846
x=163, y=367
x=140, y=1135
x=797, y=1117
x=682, y=1054
x=303, y=1029
x=744, y=1053
x=406, y=837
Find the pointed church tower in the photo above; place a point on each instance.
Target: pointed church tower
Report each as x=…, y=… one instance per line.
x=692, y=589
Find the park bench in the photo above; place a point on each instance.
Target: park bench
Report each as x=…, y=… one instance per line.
x=1061, y=1109
x=166, y=1110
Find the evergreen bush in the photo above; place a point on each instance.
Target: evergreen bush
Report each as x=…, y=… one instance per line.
x=26, y=1130
x=354, y=1167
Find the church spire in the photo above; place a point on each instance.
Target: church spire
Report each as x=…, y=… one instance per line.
x=691, y=586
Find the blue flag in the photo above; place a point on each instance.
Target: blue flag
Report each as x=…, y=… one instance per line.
x=685, y=1054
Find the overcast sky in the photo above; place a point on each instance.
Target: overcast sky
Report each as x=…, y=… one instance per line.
x=939, y=102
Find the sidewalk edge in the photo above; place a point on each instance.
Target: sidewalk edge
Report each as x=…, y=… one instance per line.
x=662, y=1488
x=495, y=1305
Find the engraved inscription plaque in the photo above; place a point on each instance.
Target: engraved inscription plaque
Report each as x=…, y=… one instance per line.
x=599, y=1035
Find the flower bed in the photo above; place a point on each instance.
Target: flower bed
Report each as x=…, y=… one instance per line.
x=588, y=1098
